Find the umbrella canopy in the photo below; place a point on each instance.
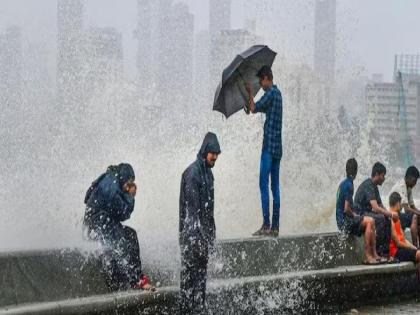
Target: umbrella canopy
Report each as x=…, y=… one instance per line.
x=231, y=95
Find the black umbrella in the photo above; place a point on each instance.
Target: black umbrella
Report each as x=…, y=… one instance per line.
x=231, y=95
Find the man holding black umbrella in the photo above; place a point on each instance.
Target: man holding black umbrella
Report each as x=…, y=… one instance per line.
x=271, y=104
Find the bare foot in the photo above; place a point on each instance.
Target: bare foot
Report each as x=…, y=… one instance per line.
x=370, y=261
x=377, y=257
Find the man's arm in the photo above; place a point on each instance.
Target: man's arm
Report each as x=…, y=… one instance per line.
x=381, y=210
x=348, y=210
x=394, y=236
x=410, y=245
x=262, y=105
x=192, y=225
x=123, y=203
x=396, y=239
x=411, y=208
x=251, y=101
x=406, y=244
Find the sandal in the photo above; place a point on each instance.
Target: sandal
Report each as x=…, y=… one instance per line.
x=392, y=260
x=371, y=263
x=382, y=260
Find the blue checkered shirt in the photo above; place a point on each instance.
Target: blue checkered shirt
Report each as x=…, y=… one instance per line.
x=272, y=105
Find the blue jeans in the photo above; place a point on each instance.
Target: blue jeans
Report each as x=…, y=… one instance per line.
x=270, y=166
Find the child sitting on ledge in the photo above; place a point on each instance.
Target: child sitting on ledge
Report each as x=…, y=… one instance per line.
x=400, y=248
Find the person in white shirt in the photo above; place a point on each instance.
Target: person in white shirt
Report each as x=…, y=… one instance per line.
x=410, y=216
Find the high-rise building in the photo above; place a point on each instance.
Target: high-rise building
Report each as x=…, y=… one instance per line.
x=11, y=89
x=69, y=53
x=11, y=94
x=176, y=56
x=325, y=39
x=219, y=20
x=408, y=66
x=383, y=99
x=103, y=53
x=325, y=29
x=11, y=60
x=395, y=106
x=231, y=43
x=301, y=85
x=165, y=34
x=39, y=89
x=148, y=32
x=201, y=71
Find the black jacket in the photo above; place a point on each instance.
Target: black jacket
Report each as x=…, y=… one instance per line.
x=106, y=202
x=196, y=200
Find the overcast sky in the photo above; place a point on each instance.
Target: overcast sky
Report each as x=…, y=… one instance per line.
x=369, y=32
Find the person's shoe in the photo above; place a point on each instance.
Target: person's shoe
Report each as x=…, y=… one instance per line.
x=274, y=232
x=144, y=284
x=263, y=231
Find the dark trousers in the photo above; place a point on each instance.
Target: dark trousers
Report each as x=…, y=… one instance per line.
x=383, y=232
x=193, y=279
x=121, y=254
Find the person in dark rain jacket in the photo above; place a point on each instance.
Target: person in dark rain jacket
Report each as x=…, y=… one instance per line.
x=109, y=201
x=197, y=230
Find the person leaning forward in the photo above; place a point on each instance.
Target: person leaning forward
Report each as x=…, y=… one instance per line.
x=368, y=203
x=110, y=201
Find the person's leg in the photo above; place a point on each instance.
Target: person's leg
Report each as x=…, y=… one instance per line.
x=414, y=229
x=418, y=265
x=375, y=253
x=187, y=278
x=112, y=256
x=200, y=293
x=131, y=254
x=265, y=169
x=418, y=231
x=406, y=254
x=368, y=225
x=275, y=189
x=386, y=236
x=383, y=233
x=417, y=257
x=113, y=278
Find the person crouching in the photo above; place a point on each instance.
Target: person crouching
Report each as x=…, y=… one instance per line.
x=110, y=201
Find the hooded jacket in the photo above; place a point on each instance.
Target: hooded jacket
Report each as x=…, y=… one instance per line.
x=196, y=201
x=106, y=202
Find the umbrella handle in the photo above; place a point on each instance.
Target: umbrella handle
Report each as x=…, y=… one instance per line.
x=246, y=110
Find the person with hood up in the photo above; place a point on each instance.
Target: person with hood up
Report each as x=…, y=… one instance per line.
x=197, y=230
x=110, y=201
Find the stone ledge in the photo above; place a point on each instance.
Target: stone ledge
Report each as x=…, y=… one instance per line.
x=311, y=290
x=53, y=275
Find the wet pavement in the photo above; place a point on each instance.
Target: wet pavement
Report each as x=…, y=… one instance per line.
x=408, y=307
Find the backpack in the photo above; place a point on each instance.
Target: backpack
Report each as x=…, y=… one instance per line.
x=92, y=187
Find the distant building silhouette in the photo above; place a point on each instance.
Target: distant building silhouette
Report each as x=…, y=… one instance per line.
x=325, y=41
x=69, y=53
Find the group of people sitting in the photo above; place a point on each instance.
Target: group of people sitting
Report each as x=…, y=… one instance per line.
x=383, y=227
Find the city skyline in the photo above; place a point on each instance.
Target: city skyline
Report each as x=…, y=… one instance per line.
x=360, y=48
x=107, y=118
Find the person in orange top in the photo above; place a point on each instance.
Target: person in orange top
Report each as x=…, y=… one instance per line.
x=400, y=248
